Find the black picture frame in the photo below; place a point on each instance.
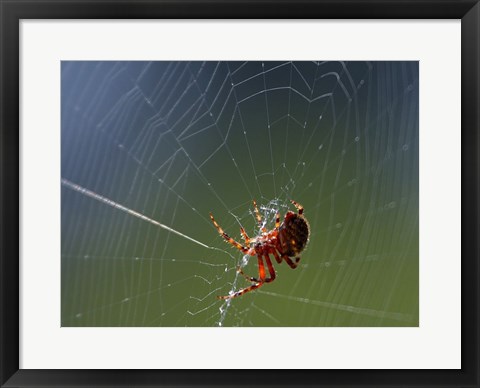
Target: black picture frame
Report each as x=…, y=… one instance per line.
x=12, y=11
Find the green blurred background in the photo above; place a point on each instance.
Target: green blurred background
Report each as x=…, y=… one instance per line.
x=177, y=140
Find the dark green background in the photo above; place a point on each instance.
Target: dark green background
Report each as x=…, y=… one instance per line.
x=177, y=140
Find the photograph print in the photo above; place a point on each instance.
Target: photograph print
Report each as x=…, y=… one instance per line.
x=250, y=194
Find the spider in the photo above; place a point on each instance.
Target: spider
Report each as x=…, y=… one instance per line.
x=284, y=242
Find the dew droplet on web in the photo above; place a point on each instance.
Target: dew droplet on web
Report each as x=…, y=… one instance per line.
x=357, y=138
x=320, y=146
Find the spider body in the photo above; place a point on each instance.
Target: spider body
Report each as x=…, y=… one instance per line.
x=293, y=234
x=285, y=242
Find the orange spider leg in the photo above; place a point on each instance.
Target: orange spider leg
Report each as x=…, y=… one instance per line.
x=271, y=270
x=249, y=278
x=261, y=272
x=277, y=221
x=261, y=267
x=277, y=257
x=245, y=236
x=298, y=206
x=230, y=240
x=258, y=282
x=289, y=261
x=241, y=292
x=259, y=218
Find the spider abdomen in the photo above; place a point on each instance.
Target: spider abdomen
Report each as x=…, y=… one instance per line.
x=293, y=234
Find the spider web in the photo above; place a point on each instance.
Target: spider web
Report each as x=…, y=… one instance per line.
x=149, y=149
